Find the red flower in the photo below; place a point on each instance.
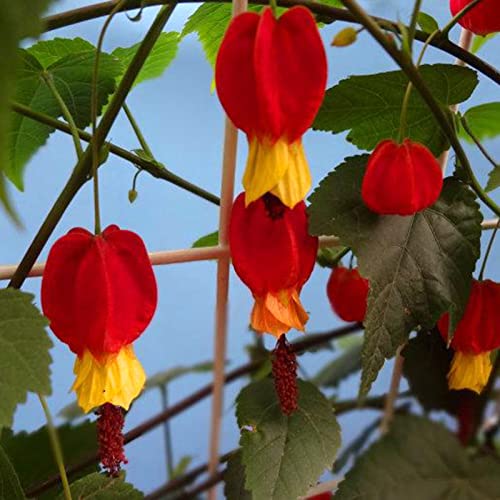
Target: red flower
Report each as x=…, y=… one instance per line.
x=347, y=291
x=99, y=293
x=321, y=496
x=401, y=179
x=270, y=76
x=476, y=335
x=274, y=256
x=482, y=19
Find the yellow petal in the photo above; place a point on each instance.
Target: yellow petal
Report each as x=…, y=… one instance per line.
x=276, y=313
x=116, y=378
x=280, y=168
x=469, y=371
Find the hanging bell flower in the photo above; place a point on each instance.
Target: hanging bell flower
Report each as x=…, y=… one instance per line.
x=274, y=255
x=270, y=76
x=482, y=19
x=476, y=335
x=347, y=292
x=401, y=179
x=99, y=293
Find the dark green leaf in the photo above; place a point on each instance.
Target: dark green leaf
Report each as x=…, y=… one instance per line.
x=493, y=179
x=10, y=488
x=479, y=41
x=427, y=361
x=209, y=240
x=159, y=59
x=72, y=76
x=31, y=453
x=419, y=459
x=234, y=479
x=283, y=456
x=483, y=120
x=24, y=352
x=370, y=106
x=427, y=22
x=18, y=19
x=418, y=266
x=347, y=363
x=100, y=487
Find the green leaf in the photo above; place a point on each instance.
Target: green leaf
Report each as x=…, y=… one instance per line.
x=479, y=41
x=418, y=266
x=493, y=179
x=419, y=459
x=24, y=352
x=10, y=487
x=283, y=456
x=427, y=22
x=18, y=20
x=181, y=467
x=234, y=479
x=72, y=76
x=209, y=240
x=101, y=487
x=159, y=59
x=29, y=451
x=370, y=106
x=48, y=52
x=427, y=361
x=483, y=120
x=340, y=368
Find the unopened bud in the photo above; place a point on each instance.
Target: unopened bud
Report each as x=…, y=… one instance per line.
x=345, y=37
x=132, y=195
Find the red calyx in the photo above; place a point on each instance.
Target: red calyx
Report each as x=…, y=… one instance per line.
x=270, y=246
x=482, y=19
x=478, y=331
x=401, y=179
x=347, y=292
x=99, y=292
x=285, y=376
x=279, y=65
x=110, y=438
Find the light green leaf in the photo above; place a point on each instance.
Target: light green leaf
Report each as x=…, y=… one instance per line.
x=418, y=266
x=10, y=487
x=181, y=467
x=493, y=179
x=18, y=19
x=370, y=106
x=347, y=363
x=283, y=456
x=48, y=52
x=28, y=452
x=24, y=352
x=420, y=459
x=479, y=41
x=209, y=240
x=159, y=59
x=483, y=120
x=234, y=479
x=72, y=76
x=426, y=366
x=427, y=22
x=101, y=487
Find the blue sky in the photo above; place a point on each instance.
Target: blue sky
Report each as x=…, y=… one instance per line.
x=183, y=123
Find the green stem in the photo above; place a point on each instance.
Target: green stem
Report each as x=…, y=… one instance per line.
x=56, y=448
x=137, y=130
x=274, y=7
x=488, y=251
x=153, y=168
x=412, y=28
x=454, y=20
x=167, y=434
x=471, y=134
x=413, y=74
x=83, y=167
x=47, y=78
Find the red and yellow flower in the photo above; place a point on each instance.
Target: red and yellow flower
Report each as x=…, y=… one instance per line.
x=99, y=293
x=476, y=335
x=274, y=255
x=270, y=76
